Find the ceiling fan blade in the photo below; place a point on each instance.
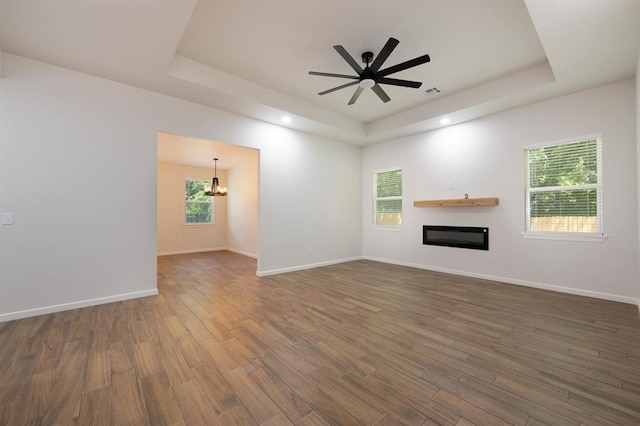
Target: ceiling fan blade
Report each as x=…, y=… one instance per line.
x=338, y=88
x=328, y=74
x=345, y=55
x=403, y=66
x=396, y=82
x=356, y=95
x=384, y=54
x=381, y=93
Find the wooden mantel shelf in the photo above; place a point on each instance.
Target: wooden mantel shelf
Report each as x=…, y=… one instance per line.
x=458, y=202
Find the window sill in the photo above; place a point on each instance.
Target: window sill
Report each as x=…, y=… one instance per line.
x=393, y=228
x=590, y=238
x=197, y=225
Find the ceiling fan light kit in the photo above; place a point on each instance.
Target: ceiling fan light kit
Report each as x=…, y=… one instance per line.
x=371, y=77
x=367, y=83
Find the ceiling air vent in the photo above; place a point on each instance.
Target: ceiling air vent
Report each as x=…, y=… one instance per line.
x=432, y=91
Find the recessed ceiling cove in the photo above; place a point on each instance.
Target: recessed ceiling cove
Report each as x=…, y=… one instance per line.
x=274, y=44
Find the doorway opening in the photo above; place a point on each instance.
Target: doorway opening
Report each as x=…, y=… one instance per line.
x=233, y=224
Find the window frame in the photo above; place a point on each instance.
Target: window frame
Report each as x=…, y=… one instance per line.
x=597, y=236
x=210, y=202
x=375, y=200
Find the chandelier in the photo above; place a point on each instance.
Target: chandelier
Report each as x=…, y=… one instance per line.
x=216, y=190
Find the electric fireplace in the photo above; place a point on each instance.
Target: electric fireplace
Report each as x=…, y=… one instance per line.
x=469, y=237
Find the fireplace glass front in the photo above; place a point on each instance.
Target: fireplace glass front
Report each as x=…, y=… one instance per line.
x=456, y=236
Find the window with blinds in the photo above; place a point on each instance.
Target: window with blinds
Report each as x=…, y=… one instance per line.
x=387, y=196
x=564, y=188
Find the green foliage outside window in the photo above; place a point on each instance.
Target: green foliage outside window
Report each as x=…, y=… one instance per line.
x=198, y=206
x=564, y=188
x=564, y=170
x=389, y=184
x=388, y=197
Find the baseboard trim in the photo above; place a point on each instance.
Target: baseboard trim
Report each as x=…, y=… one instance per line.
x=533, y=284
x=244, y=253
x=75, y=305
x=307, y=266
x=170, y=253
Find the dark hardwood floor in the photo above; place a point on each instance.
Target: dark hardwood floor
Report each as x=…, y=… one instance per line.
x=355, y=343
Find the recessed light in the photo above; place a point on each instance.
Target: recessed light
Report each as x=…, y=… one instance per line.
x=286, y=119
x=445, y=120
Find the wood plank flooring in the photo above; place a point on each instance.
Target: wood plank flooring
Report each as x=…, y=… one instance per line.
x=356, y=343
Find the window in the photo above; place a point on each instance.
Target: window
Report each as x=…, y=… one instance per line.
x=564, y=188
x=387, y=194
x=198, y=207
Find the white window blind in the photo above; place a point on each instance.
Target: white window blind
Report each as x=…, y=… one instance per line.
x=564, y=188
x=387, y=191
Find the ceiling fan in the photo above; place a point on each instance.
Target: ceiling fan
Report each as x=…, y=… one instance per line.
x=372, y=76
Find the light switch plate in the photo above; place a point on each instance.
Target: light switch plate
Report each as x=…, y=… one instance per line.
x=7, y=218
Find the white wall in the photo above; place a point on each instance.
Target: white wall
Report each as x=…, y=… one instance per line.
x=485, y=157
x=242, y=207
x=174, y=236
x=78, y=169
x=637, y=81
x=306, y=208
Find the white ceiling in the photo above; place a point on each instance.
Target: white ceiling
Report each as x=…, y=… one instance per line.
x=253, y=57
